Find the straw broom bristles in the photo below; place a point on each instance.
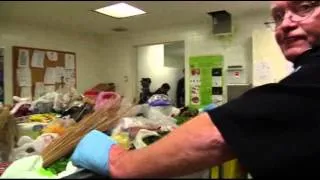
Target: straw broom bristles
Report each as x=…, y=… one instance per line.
x=8, y=133
x=103, y=119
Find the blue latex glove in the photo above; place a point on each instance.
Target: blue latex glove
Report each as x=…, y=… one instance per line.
x=92, y=152
x=209, y=107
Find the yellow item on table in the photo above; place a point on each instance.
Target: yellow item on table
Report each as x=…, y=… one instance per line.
x=122, y=139
x=233, y=170
x=215, y=172
x=229, y=170
x=44, y=118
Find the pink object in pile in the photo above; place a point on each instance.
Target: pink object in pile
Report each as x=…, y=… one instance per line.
x=3, y=167
x=106, y=99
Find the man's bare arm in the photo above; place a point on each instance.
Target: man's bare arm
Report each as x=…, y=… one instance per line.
x=194, y=146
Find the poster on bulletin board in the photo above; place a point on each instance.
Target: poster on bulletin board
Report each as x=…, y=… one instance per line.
x=206, y=80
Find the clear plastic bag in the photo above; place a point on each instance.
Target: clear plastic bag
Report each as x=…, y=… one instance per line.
x=143, y=133
x=162, y=117
x=133, y=124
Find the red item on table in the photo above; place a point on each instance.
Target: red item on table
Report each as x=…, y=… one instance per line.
x=3, y=167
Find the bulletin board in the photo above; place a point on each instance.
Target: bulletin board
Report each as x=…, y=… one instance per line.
x=37, y=71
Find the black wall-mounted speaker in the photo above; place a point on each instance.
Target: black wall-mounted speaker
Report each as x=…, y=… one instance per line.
x=222, y=23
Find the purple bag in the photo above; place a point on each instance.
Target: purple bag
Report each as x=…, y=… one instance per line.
x=159, y=100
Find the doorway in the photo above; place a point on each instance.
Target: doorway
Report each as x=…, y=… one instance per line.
x=162, y=63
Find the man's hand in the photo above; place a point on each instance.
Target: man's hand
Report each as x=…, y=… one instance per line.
x=93, y=151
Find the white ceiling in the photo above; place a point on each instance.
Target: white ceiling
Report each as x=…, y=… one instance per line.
x=78, y=15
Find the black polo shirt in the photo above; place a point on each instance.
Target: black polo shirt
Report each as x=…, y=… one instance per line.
x=274, y=129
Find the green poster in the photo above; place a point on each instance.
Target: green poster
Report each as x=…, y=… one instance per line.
x=206, y=80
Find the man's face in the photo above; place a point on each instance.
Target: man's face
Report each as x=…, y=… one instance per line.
x=295, y=37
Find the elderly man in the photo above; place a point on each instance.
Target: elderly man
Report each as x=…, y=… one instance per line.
x=271, y=129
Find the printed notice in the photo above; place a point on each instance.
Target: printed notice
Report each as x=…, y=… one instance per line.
x=23, y=60
x=24, y=77
x=216, y=81
x=69, y=77
x=69, y=61
x=50, y=75
x=262, y=73
x=59, y=74
x=217, y=99
x=26, y=92
x=39, y=90
x=52, y=56
x=49, y=88
x=37, y=59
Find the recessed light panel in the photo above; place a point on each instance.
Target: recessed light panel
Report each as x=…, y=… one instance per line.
x=120, y=10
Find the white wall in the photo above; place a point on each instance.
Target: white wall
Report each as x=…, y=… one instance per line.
x=174, y=61
x=87, y=49
x=113, y=59
x=267, y=52
x=199, y=40
x=150, y=62
x=174, y=54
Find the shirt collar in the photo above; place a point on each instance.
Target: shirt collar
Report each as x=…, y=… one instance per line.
x=311, y=56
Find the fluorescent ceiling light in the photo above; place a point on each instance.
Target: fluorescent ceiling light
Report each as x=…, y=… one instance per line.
x=120, y=10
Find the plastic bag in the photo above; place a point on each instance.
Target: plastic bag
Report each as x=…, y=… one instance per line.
x=31, y=168
x=160, y=117
x=143, y=133
x=159, y=100
x=28, y=146
x=133, y=124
